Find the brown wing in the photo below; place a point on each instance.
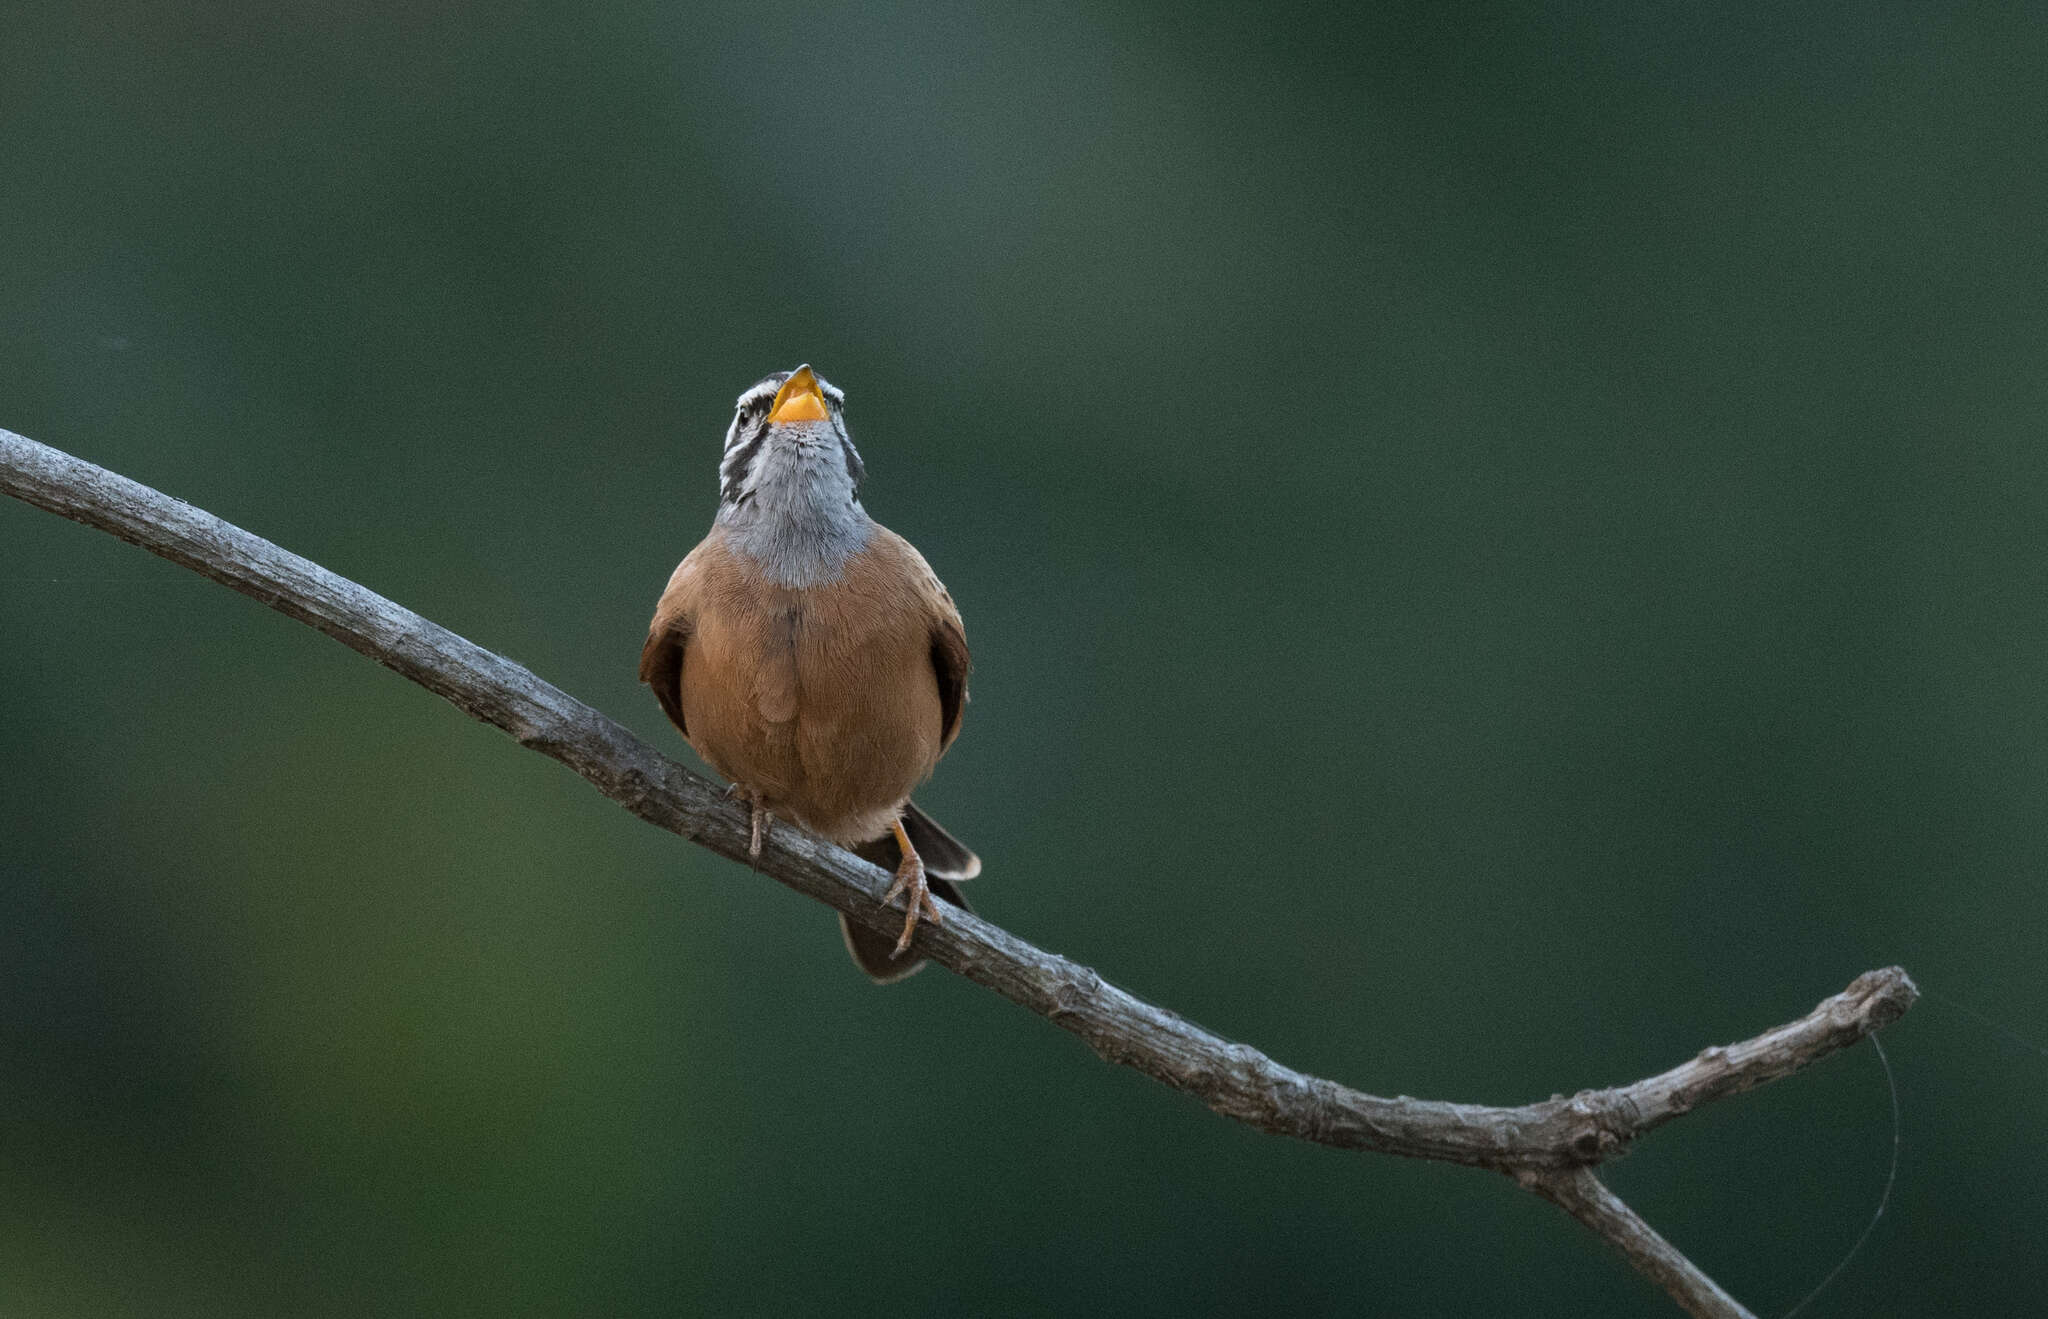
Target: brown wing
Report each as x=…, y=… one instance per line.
x=661, y=667
x=668, y=636
x=950, y=663
x=948, y=637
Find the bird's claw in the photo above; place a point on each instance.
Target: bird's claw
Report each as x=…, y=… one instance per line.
x=757, y=831
x=919, y=902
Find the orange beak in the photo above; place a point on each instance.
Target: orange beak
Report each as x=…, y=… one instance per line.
x=799, y=399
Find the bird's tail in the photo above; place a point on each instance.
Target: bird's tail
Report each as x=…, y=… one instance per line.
x=945, y=857
x=946, y=861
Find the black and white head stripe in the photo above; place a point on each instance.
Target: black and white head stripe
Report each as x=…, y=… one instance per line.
x=749, y=432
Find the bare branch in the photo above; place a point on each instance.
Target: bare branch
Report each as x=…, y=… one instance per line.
x=1585, y=1197
x=1547, y=1146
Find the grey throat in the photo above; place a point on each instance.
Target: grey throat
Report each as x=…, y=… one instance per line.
x=799, y=515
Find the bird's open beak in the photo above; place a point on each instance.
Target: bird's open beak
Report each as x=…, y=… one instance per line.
x=799, y=399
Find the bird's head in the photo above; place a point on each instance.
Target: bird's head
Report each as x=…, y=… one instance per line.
x=788, y=437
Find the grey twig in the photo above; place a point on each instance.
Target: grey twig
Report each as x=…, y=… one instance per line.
x=1549, y=1147
x=1585, y=1197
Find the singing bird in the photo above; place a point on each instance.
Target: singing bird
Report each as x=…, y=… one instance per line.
x=810, y=655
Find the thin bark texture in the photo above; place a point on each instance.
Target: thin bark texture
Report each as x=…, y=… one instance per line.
x=1585, y=1197
x=1549, y=1147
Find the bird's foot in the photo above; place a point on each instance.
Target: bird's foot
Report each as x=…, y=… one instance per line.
x=758, y=833
x=919, y=901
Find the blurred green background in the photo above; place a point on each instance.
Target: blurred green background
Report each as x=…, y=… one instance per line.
x=1502, y=547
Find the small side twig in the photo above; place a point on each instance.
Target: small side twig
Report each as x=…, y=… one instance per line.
x=1585, y=1197
x=1548, y=1147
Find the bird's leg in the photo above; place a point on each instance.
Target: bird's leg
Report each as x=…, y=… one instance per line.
x=759, y=832
x=910, y=880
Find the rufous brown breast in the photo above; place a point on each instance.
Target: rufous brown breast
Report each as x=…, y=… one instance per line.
x=829, y=703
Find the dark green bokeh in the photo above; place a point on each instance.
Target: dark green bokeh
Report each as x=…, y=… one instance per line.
x=1501, y=547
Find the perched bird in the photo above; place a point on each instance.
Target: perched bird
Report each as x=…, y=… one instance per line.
x=810, y=655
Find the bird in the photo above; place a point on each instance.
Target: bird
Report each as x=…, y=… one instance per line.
x=813, y=659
